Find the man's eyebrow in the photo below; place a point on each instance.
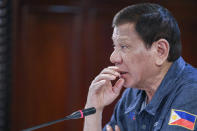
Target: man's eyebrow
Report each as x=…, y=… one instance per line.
x=119, y=38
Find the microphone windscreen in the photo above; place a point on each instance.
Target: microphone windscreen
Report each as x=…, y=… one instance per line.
x=89, y=111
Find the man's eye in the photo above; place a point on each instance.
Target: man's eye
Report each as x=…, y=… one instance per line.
x=123, y=47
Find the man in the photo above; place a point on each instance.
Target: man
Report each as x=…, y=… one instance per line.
x=161, y=89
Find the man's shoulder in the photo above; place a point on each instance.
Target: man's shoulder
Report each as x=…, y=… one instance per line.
x=187, y=95
x=187, y=83
x=190, y=73
x=188, y=78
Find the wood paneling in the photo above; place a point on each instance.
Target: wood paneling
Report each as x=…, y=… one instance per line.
x=60, y=47
x=44, y=73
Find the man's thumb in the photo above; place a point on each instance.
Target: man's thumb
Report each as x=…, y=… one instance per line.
x=118, y=86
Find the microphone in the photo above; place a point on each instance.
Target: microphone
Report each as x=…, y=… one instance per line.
x=74, y=115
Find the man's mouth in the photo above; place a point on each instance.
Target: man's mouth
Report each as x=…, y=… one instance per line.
x=123, y=72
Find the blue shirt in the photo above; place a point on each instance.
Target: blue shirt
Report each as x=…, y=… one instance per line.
x=172, y=108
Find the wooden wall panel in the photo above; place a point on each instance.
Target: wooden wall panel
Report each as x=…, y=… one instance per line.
x=44, y=73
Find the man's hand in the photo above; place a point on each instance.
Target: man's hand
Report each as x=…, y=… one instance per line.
x=109, y=128
x=101, y=92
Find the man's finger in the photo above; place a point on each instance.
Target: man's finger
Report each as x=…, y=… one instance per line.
x=118, y=86
x=117, y=128
x=104, y=77
x=110, y=71
x=98, y=84
x=109, y=128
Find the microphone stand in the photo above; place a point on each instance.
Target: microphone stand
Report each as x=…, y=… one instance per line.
x=75, y=115
x=46, y=124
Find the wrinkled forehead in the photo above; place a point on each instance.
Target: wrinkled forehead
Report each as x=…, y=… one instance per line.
x=123, y=31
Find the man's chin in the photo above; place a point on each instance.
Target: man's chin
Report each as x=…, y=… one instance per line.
x=126, y=85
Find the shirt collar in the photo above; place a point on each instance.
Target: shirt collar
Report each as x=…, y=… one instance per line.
x=136, y=105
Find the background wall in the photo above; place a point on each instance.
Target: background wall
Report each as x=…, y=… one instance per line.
x=61, y=45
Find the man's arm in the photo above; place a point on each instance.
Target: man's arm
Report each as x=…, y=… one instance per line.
x=102, y=93
x=93, y=122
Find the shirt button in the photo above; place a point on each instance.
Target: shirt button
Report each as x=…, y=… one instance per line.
x=143, y=127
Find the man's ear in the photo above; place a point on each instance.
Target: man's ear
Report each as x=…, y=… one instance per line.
x=161, y=48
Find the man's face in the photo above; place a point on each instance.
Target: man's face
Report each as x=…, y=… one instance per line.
x=134, y=60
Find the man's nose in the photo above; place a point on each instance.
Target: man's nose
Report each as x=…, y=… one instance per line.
x=115, y=57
